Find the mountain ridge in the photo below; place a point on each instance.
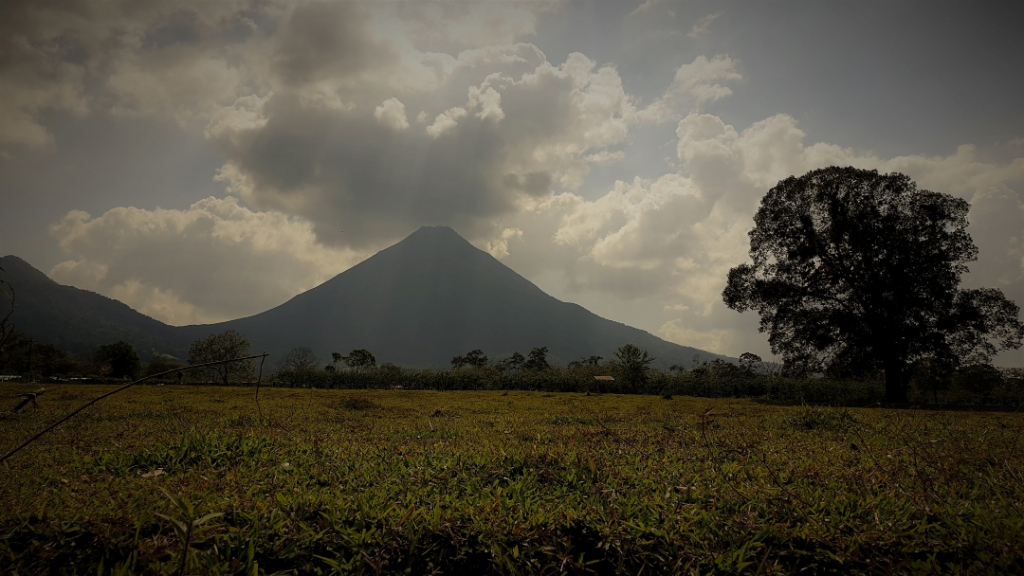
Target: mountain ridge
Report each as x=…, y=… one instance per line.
x=417, y=304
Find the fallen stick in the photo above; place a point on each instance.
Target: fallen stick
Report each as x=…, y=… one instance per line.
x=127, y=386
x=28, y=397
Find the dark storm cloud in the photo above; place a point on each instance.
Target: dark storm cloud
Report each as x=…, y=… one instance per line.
x=327, y=40
x=349, y=172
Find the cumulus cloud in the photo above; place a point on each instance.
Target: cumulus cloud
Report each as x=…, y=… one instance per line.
x=696, y=83
x=180, y=62
x=445, y=122
x=499, y=246
x=391, y=113
x=202, y=264
x=508, y=128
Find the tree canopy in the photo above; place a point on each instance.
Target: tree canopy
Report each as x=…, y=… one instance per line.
x=538, y=359
x=359, y=359
x=473, y=359
x=300, y=358
x=223, y=346
x=633, y=362
x=856, y=272
x=118, y=360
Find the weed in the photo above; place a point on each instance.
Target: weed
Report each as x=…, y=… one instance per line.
x=358, y=403
x=823, y=418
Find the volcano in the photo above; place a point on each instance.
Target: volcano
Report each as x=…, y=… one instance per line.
x=416, y=304
x=433, y=296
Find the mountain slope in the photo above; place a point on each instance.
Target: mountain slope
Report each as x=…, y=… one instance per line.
x=78, y=321
x=434, y=296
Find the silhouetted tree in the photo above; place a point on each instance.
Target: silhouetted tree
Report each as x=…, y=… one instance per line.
x=473, y=359
x=977, y=378
x=223, y=346
x=118, y=360
x=633, y=363
x=360, y=359
x=750, y=361
x=301, y=358
x=538, y=360
x=513, y=363
x=852, y=268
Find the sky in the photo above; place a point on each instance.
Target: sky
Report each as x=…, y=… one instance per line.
x=202, y=161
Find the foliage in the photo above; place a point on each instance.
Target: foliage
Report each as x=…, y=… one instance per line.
x=301, y=358
x=163, y=363
x=538, y=360
x=823, y=418
x=358, y=359
x=586, y=361
x=423, y=482
x=24, y=356
x=223, y=346
x=513, y=363
x=187, y=524
x=633, y=363
x=118, y=360
x=473, y=359
x=856, y=272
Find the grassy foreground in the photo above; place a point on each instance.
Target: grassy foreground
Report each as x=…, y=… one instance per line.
x=199, y=480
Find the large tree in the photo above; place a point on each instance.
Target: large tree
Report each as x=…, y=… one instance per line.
x=855, y=272
x=301, y=358
x=633, y=362
x=360, y=359
x=118, y=360
x=223, y=346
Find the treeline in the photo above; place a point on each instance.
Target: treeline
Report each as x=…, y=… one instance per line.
x=629, y=372
x=977, y=387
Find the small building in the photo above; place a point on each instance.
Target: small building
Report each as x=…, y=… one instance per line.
x=604, y=378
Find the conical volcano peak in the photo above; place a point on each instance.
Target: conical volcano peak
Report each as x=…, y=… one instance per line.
x=433, y=239
x=436, y=234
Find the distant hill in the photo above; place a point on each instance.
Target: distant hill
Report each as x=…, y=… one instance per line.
x=78, y=321
x=433, y=296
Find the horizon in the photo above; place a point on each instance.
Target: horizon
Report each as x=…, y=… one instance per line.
x=210, y=163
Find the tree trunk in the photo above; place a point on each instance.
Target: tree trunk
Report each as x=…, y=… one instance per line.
x=895, y=381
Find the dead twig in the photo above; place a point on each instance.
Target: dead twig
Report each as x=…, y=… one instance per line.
x=123, y=388
x=28, y=397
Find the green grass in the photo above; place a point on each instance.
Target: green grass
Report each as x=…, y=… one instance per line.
x=418, y=482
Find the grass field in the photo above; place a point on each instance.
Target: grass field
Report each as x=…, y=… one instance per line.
x=201, y=480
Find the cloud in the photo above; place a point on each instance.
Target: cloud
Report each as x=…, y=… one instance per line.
x=445, y=122
x=701, y=27
x=329, y=41
x=179, y=61
x=391, y=113
x=489, y=101
x=196, y=265
x=471, y=25
x=643, y=8
x=499, y=246
x=508, y=128
x=696, y=83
